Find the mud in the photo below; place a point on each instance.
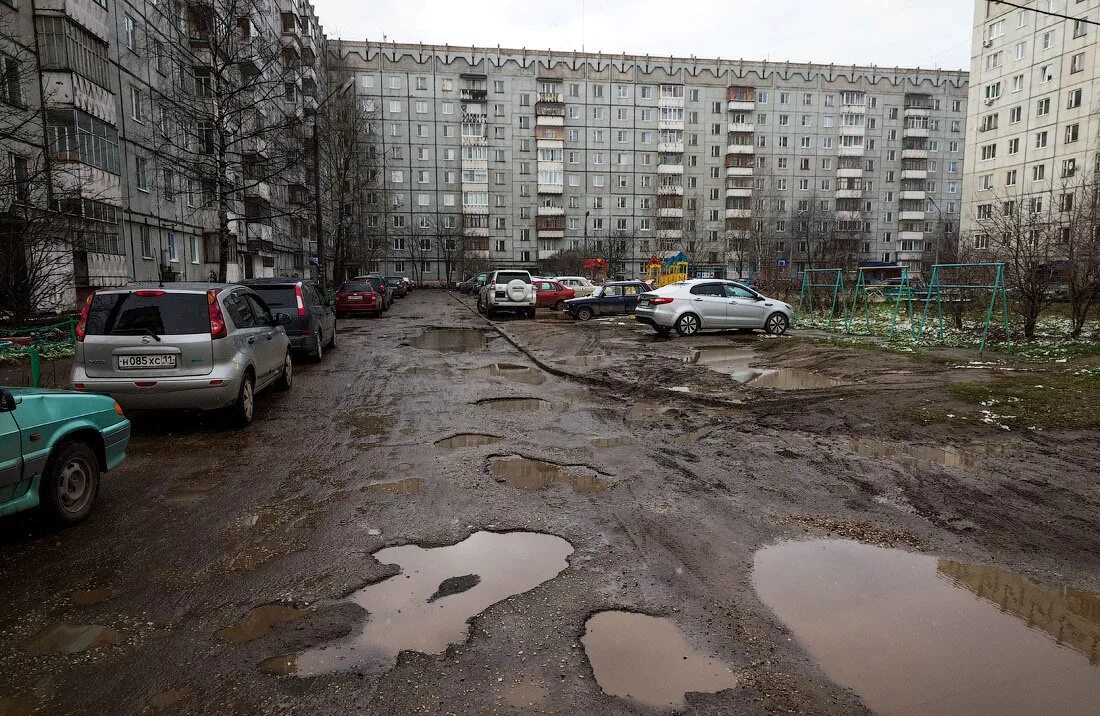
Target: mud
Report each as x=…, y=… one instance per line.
x=515, y=405
x=528, y=474
x=259, y=623
x=70, y=639
x=464, y=440
x=906, y=632
x=612, y=442
x=408, y=486
x=648, y=660
x=88, y=597
x=967, y=457
x=511, y=372
x=451, y=340
x=24, y=704
x=737, y=363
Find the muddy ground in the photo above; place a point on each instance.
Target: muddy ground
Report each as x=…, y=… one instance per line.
x=666, y=497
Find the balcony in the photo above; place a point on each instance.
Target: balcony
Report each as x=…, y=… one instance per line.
x=853, y=130
x=915, y=132
x=914, y=174
x=849, y=215
x=735, y=105
x=914, y=153
x=740, y=149
x=259, y=237
x=911, y=236
x=550, y=188
x=670, y=168
x=670, y=124
x=738, y=193
x=670, y=233
x=666, y=190
x=550, y=98
x=911, y=215
x=849, y=173
x=89, y=15
x=670, y=147
x=473, y=141
x=738, y=171
x=475, y=209
x=475, y=231
x=550, y=223
x=550, y=234
x=849, y=193
x=545, y=120
x=914, y=195
x=738, y=213
x=856, y=151
x=746, y=127
x=468, y=94
x=670, y=102
x=671, y=212
x=257, y=190
x=551, y=211
x=853, y=108
x=69, y=89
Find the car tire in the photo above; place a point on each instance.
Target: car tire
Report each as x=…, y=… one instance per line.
x=244, y=409
x=318, y=352
x=70, y=482
x=332, y=340
x=688, y=324
x=286, y=378
x=559, y=306
x=584, y=313
x=777, y=324
x=481, y=307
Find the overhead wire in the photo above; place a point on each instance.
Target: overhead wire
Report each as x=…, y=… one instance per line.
x=1046, y=12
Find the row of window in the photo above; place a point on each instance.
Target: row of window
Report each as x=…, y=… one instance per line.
x=1042, y=140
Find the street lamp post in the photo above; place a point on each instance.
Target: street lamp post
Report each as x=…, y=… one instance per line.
x=585, y=256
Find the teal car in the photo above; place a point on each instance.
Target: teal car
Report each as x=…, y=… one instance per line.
x=54, y=445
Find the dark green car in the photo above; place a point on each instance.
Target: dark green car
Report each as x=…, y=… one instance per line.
x=54, y=445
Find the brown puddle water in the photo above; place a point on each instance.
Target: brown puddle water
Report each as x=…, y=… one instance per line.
x=967, y=458
x=23, y=704
x=528, y=474
x=515, y=405
x=400, y=614
x=408, y=486
x=648, y=660
x=259, y=622
x=168, y=698
x=923, y=636
x=512, y=372
x=70, y=639
x=450, y=340
x=464, y=440
x=735, y=362
x=88, y=597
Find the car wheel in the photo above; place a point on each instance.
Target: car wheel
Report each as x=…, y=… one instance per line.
x=662, y=330
x=776, y=324
x=481, y=307
x=584, y=313
x=332, y=340
x=559, y=306
x=286, y=379
x=687, y=324
x=244, y=409
x=70, y=482
x=318, y=347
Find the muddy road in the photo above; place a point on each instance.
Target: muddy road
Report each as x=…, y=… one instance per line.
x=449, y=516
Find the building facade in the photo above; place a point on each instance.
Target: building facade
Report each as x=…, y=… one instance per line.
x=745, y=166
x=127, y=102
x=1034, y=117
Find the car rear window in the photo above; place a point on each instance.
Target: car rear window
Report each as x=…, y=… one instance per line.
x=394, y=281
x=509, y=276
x=127, y=314
x=358, y=286
x=377, y=283
x=277, y=296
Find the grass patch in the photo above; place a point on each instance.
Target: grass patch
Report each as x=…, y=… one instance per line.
x=1054, y=400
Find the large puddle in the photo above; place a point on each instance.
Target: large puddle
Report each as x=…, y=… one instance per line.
x=425, y=607
x=648, y=660
x=916, y=635
x=515, y=405
x=528, y=474
x=465, y=440
x=70, y=639
x=734, y=362
x=450, y=340
x=967, y=458
x=259, y=622
x=510, y=371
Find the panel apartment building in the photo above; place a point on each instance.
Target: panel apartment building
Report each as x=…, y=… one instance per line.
x=1034, y=110
x=108, y=81
x=745, y=166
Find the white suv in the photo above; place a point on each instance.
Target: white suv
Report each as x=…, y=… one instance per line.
x=508, y=290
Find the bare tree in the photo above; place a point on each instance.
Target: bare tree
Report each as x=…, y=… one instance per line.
x=1078, y=239
x=567, y=262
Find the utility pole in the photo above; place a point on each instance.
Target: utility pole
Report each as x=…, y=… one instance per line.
x=317, y=213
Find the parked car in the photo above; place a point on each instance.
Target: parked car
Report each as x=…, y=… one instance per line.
x=409, y=285
x=398, y=285
x=703, y=304
x=54, y=445
x=551, y=294
x=196, y=346
x=580, y=285
x=474, y=283
x=508, y=291
x=357, y=297
x=383, y=289
x=312, y=326
x=614, y=297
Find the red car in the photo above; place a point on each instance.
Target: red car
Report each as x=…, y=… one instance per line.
x=551, y=294
x=357, y=297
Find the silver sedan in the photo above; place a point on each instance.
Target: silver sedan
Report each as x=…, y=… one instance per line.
x=705, y=304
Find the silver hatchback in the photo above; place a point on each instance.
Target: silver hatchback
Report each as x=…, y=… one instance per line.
x=703, y=304
x=181, y=346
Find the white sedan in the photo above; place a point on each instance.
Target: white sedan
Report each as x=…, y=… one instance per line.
x=581, y=286
x=704, y=304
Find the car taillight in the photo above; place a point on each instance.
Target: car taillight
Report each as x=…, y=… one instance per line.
x=659, y=300
x=217, y=320
x=82, y=324
x=298, y=298
x=118, y=409
x=149, y=293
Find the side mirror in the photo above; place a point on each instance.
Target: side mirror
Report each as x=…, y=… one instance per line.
x=7, y=402
x=759, y=298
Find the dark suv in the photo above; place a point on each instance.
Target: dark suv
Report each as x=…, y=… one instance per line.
x=312, y=326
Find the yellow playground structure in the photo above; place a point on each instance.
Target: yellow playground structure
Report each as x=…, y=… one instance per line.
x=661, y=272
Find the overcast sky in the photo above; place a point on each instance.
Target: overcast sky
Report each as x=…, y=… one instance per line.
x=888, y=33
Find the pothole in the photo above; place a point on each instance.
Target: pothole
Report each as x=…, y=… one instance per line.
x=407, y=486
x=363, y=423
x=401, y=615
x=510, y=371
x=734, y=362
x=528, y=474
x=515, y=405
x=259, y=622
x=166, y=699
x=911, y=633
x=88, y=597
x=70, y=639
x=450, y=340
x=190, y=492
x=648, y=660
x=969, y=457
x=464, y=440
x=587, y=361
x=22, y=704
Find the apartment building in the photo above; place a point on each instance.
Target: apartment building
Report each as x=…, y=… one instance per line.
x=1034, y=112
x=745, y=166
x=129, y=113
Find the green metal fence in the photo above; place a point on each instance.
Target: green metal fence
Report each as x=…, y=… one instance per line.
x=48, y=340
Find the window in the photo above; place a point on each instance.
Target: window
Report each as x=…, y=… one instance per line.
x=1069, y=168
x=173, y=248
x=1018, y=83
x=76, y=136
x=141, y=171
x=1046, y=73
x=1040, y=139
x=1039, y=172
x=1042, y=107
x=1075, y=97
x=989, y=151
x=66, y=45
x=1072, y=133
x=1015, y=114
x=1077, y=63
x=993, y=90
x=1010, y=177
x=129, y=32
x=1079, y=28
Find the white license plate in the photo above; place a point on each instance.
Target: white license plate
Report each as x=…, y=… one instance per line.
x=146, y=361
x=355, y=298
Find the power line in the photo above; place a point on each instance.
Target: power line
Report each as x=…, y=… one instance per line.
x=1047, y=12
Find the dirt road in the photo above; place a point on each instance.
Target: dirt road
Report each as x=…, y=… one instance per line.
x=596, y=469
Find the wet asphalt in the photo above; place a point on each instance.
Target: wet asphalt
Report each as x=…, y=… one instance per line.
x=215, y=554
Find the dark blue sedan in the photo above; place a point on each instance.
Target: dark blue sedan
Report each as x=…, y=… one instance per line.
x=614, y=298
